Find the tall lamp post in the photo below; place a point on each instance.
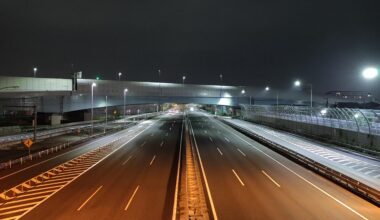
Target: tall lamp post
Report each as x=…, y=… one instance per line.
x=92, y=107
x=120, y=75
x=221, y=84
x=105, y=128
x=267, y=89
x=183, y=79
x=298, y=83
x=35, y=71
x=125, y=93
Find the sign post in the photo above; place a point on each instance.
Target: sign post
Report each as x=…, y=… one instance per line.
x=28, y=143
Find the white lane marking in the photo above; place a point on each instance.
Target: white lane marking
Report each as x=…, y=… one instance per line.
x=301, y=177
x=130, y=200
x=219, y=151
x=162, y=143
x=237, y=177
x=271, y=179
x=89, y=198
x=76, y=149
x=210, y=138
x=151, y=162
x=204, y=176
x=122, y=145
x=241, y=152
x=177, y=179
x=127, y=160
x=227, y=139
x=142, y=145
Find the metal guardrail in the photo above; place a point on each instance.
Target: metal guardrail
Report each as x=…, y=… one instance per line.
x=365, y=121
x=351, y=184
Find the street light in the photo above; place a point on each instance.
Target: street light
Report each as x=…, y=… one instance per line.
x=92, y=107
x=267, y=90
x=120, y=75
x=370, y=73
x=125, y=93
x=221, y=84
x=35, y=71
x=183, y=79
x=298, y=83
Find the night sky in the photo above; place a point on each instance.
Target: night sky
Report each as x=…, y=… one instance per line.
x=257, y=43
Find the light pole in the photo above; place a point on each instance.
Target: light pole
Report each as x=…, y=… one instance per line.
x=221, y=84
x=120, y=75
x=183, y=79
x=125, y=93
x=298, y=83
x=92, y=107
x=159, y=87
x=35, y=71
x=105, y=128
x=267, y=89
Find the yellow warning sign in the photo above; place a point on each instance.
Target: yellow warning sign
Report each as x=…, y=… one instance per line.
x=28, y=143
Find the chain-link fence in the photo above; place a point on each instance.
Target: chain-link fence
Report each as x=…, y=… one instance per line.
x=349, y=126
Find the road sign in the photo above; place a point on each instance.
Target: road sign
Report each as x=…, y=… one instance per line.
x=28, y=143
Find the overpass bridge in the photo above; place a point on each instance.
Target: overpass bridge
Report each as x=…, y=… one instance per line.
x=52, y=95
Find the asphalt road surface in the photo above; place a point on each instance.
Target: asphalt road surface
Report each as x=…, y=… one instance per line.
x=249, y=181
x=135, y=182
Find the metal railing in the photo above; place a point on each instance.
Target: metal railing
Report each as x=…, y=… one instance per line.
x=366, y=121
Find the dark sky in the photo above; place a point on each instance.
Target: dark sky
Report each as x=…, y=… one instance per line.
x=325, y=43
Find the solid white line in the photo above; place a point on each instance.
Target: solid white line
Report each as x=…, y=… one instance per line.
x=210, y=138
x=278, y=185
x=127, y=160
x=237, y=176
x=122, y=145
x=204, y=176
x=302, y=178
x=177, y=179
x=241, y=152
x=219, y=151
x=130, y=200
x=89, y=198
x=154, y=157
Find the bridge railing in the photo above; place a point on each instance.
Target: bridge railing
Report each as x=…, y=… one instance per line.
x=349, y=126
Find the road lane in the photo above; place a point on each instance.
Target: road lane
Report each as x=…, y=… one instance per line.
x=129, y=190
x=260, y=198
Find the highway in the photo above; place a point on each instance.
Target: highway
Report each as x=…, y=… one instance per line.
x=135, y=182
x=249, y=181
x=242, y=179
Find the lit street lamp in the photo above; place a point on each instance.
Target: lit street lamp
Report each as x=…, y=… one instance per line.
x=35, y=71
x=221, y=84
x=267, y=89
x=183, y=79
x=125, y=93
x=120, y=75
x=298, y=83
x=92, y=107
x=370, y=73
